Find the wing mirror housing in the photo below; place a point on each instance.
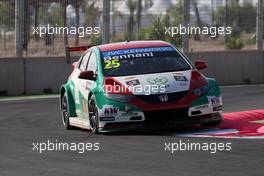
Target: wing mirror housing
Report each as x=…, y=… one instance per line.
x=74, y=65
x=199, y=64
x=89, y=75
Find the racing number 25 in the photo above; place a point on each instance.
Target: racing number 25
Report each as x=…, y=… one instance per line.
x=112, y=64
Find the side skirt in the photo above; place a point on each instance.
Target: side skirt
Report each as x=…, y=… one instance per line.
x=80, y=123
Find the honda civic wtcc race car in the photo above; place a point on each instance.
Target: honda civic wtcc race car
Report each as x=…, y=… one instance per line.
x=138, y=85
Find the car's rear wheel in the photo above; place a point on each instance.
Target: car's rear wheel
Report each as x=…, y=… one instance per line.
x=64, y=112
x=93, y=115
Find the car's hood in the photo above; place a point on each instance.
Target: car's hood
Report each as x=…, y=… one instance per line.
x=168, y=82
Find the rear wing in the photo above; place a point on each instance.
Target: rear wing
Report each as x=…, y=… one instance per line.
x=68, y=51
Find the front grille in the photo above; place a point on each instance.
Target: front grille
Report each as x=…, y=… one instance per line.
x=166, y=116
x=172, y=97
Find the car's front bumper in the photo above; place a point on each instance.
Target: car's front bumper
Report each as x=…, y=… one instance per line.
x=117, y=114
x=139, y=113
x=161, y=123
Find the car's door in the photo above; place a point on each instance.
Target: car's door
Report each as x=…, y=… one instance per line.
x=87, y=85
x=78, y=83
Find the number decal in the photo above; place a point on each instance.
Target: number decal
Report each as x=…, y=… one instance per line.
x=115, y=63
x=107, y=64
x=112, y=64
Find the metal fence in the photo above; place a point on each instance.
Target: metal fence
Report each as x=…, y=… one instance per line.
x=38, y=26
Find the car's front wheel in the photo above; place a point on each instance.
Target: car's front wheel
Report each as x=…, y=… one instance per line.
x=64, y=112
x=93, y=115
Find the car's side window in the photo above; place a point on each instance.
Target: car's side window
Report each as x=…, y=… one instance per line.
x=92, y=65
x=84, y=61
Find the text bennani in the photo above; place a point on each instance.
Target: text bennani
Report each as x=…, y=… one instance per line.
x=130, y=56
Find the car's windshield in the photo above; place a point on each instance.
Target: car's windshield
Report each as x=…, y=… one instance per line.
x=142, y=61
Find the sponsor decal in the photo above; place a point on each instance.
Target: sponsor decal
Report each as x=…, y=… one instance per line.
x=133, y=82
x=110, y=118
x=112, y=58
x=128, y=56
x=214, y=101
x=109, y=110
x=180, y=78
x=160, y=80
x=125, y=53
x=110, y=64
x=163, y=98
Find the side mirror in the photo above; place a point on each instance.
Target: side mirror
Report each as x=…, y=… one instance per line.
x=74, y=65
x=200, y=65
x=87, y=75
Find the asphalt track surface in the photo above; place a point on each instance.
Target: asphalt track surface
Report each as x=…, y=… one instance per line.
x=26, y=121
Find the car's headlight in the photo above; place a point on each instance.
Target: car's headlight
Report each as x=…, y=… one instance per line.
x=119, y=97
x=202, y=90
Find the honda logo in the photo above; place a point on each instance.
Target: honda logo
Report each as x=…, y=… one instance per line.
x=163, y=98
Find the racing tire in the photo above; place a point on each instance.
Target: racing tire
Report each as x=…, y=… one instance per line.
x=64, y=112
x=93, y=115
